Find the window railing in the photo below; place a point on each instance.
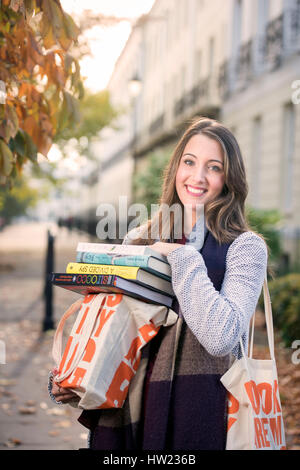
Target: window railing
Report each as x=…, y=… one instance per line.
x=261, y=54
x=244, y=63
x=274, y=42
x=157, y=124
x=199, y=93
x=224, y=80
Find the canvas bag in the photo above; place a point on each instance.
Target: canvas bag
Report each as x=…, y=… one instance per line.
x=103, y=351
x=254, y=409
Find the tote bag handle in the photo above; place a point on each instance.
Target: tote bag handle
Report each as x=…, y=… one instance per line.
x=269, y=322
x=95, y=305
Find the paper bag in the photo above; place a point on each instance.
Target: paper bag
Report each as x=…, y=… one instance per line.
x=103, y=351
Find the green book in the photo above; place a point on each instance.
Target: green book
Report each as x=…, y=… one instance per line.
x=147, y=262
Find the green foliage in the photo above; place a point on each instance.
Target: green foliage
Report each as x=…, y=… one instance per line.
x=147, y=183
x=14, y=201
x=285, y=298
x=266, y=223
x=94, y=112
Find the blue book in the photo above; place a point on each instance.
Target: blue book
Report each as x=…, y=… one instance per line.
x=147, y=262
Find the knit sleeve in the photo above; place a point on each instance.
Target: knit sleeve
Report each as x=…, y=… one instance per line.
x=131, y=236
x=220, y=319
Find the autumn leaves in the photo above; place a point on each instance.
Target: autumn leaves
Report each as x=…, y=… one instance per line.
x=41, y=78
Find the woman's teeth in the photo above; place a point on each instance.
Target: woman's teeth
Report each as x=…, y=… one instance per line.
x=197, y=192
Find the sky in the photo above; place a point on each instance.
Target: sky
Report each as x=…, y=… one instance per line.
x=106, y=43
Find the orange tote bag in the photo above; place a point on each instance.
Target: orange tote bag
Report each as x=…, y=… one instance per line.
x=103, y=351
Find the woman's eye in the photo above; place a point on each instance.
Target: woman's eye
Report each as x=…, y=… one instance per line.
x=188, y=162
x=215, y=168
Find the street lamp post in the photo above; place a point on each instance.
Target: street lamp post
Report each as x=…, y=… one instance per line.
x=48, y=323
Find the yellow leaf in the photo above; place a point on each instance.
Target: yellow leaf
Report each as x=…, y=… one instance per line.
x=53, y=13
x=71, y=28
x=6, y=159
x=48, y=39
x=64, y=41
x=12, y=121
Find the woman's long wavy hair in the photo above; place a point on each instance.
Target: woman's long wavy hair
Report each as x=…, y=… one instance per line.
x=225, y=216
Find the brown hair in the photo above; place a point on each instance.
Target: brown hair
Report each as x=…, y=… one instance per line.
x=225, y=216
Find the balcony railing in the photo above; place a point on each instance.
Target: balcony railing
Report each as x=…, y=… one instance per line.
x=179, y=106
x=244, y=63
x=294, y=19
x=199, y=94
x=274, y=42
x=224, y=80
x=157, y=124
x=262, y=53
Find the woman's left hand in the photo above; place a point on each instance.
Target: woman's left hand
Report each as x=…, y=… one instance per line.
x=61, y=394
x=165, y=248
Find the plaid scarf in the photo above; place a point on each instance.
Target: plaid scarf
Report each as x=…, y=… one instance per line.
x=180, y=409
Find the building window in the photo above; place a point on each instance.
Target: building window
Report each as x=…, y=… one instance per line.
x=288, y=157
x=237, y=27
x=263, y=7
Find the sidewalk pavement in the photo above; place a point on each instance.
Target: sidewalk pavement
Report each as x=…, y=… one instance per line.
x=28, y=417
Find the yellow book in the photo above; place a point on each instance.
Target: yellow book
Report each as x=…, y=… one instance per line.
x=129, y=272
x=133, y=273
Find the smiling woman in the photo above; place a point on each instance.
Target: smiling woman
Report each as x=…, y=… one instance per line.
x=176, y=401
x=205, y=170
x=200, y=175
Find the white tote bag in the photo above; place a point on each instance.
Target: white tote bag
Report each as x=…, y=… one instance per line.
x=103, y=351
x=254, y=410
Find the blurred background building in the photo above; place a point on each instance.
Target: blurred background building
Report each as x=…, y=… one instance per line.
x=237, y=61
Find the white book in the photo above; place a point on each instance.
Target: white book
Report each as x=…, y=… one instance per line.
x=120, y=249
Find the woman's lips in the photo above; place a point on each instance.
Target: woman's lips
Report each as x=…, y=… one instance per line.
x=195, y=191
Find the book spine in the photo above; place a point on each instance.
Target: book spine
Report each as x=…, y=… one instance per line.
x=116, y=260
x=128, y=272
x=111, y=249
x=83, y=279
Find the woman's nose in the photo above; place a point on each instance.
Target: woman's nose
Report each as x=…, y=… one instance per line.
x=200, y=174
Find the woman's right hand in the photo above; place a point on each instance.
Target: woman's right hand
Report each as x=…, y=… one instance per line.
x=61, y=394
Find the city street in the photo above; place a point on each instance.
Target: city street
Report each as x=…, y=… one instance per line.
x=29, y=419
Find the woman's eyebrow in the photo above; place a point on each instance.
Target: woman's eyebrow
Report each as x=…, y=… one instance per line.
x=211, y=160
x=188, y=153
x=216, y=161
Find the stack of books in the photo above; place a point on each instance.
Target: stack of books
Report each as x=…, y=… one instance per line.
x=134, y=270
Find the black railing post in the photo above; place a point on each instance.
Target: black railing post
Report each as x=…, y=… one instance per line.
x=48, y=323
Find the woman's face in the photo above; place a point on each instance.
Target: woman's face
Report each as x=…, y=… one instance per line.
x=200, y=175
